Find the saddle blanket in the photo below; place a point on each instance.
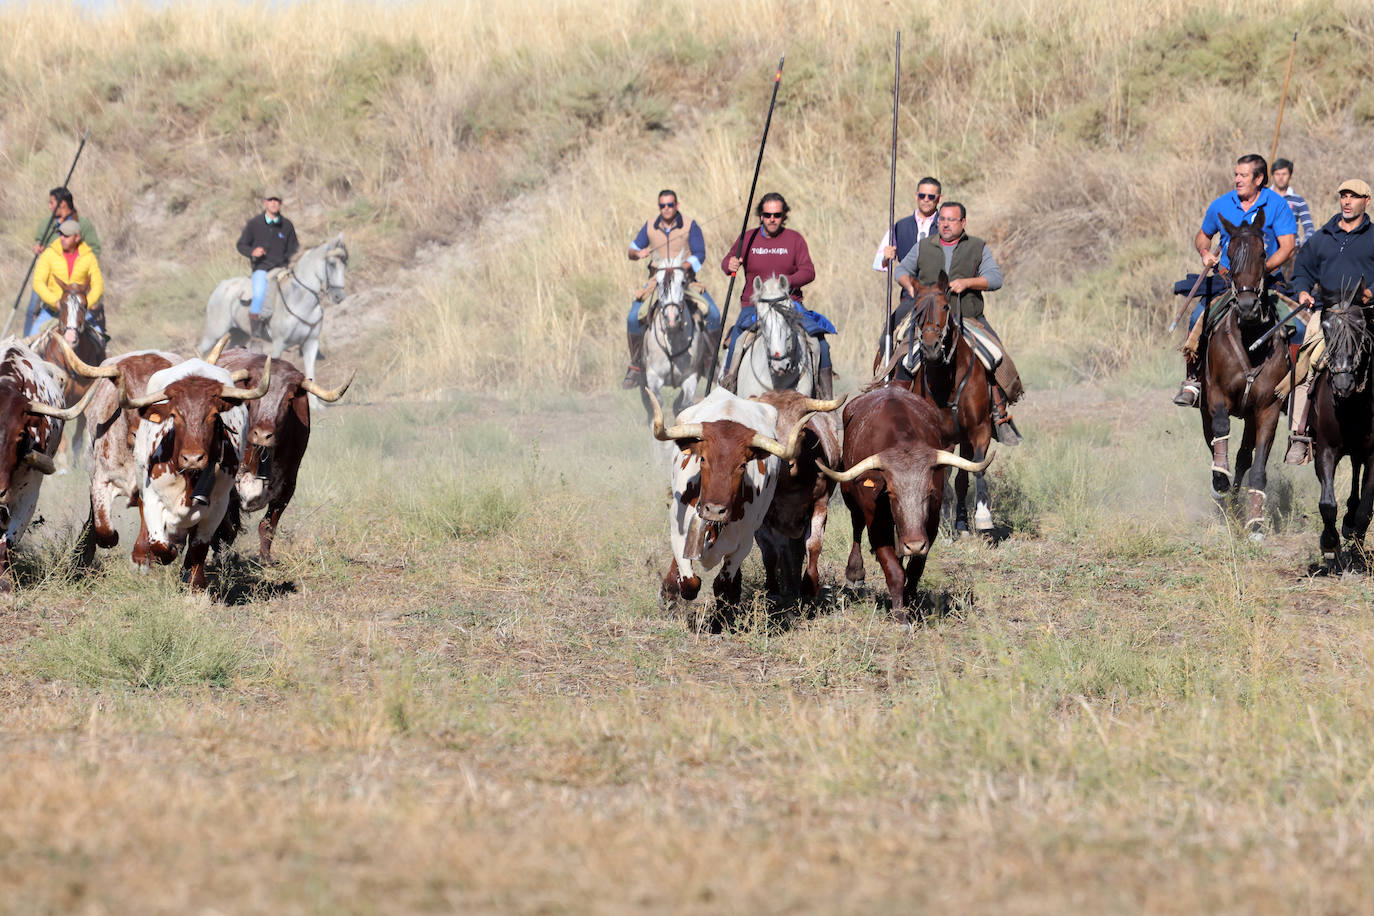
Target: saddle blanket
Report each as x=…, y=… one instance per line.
x=814, y=322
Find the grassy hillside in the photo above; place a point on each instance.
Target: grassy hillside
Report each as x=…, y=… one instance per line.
x=457, y=690
x=490, y=162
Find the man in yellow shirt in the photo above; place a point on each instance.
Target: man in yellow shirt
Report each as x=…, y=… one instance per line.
x=71, y=261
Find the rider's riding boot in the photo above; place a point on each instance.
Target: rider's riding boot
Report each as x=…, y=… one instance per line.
x=1299, y=443
x=729, y=373
x=634, y=376
x=259, y=330
x=825, y=383
x=1006, y=430
x=1190, y=390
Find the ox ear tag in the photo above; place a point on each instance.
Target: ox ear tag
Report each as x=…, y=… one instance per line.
x=154, y=416
x=869, y=483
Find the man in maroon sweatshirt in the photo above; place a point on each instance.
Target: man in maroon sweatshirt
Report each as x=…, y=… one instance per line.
x=773, y=250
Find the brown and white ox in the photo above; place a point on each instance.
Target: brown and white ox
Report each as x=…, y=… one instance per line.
x=793, y=531
x=278, y=432
x=723, y=478
x=893, y=485
x=33, y=411
x=153, y=448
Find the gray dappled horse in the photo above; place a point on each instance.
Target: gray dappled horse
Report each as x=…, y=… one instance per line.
x=676, y=344
x=298, y=307
x=782, y=355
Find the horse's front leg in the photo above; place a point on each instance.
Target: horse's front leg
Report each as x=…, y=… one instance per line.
x=982, y=511
x=1325, y=464
x=1216, y=432
x=1358, y=473
x=961, y=504
x=1266, y=422
x=1245, y=455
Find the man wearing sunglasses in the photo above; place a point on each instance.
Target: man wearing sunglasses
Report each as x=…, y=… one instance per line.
x=665, y=236
x=1335, y=258
x=968, y=264
x=773, y=250
x=911, y=229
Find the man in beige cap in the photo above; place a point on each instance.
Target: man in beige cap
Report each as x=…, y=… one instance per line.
x=1335, y=258
x=268, y=240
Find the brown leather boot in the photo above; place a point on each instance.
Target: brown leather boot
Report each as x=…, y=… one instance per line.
x=825, y=383
x=634, y=376
x=1190, y=390
x=259, y=329
x=1003, y=427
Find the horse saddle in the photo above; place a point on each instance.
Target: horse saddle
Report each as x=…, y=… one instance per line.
x=243, y=293
x=694, y=302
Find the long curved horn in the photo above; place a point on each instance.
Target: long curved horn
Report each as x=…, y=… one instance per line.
x=672, y=433
x=81, y=367
x=129, y=403
x=793, y=447
x=217, y=350
x=328, y=394
x=41, y=461
x=824, y=406
x=63, y=413
x=238, y=394
x=963, y=464
x=871, y=463
x=241, y=375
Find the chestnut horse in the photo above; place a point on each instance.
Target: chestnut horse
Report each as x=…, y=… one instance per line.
x=1343, y=419
x=1235, y=386
x=941, y=367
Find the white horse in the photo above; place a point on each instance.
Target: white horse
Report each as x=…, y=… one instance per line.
x=783, y=355
x=298, y=315
x=676, y=344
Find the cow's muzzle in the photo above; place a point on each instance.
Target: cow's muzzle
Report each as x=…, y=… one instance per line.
x=917, y=547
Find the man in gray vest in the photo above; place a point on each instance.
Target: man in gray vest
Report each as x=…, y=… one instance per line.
x=972, y=271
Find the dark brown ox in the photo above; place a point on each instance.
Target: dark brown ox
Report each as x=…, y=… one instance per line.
x=278, y=433
x=893, y=485
x=793, y=531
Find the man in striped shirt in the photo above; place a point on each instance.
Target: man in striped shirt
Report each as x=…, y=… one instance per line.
x=1282, y=174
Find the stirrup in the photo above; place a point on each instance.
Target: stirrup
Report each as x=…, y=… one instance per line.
x=1006, y=431
x=634, y=378
x=1188, y=393
x=1299, y=450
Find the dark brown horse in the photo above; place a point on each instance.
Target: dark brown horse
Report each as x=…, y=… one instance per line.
x=1238, y=383
x=1343, y=419
x=83, y=337
x=941, y=367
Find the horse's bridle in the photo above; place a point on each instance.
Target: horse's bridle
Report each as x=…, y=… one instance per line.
x=1347, y=337
x=325, y=287
x=790, y=316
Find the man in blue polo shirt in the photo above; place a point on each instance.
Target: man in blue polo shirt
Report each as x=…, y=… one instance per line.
x=1243, y=205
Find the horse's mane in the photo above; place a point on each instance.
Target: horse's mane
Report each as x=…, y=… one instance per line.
x=1243, y=250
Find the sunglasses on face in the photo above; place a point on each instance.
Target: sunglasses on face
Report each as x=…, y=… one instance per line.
x=767, y=215
x=926, y=196
x=668, y=206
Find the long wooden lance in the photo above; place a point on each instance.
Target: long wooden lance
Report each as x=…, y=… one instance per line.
x=1191, y=296
x=739, y=247
x=1274, y=147
x=47, y=230
x=892, y=199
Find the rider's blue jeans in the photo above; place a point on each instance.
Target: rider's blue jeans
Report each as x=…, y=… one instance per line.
x=36, y=315
x=748, y=316
x=259, y=292
x=712, y=315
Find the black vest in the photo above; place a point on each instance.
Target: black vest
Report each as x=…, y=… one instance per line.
x=907, y=235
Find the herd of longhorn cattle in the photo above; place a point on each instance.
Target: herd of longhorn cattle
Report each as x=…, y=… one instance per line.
x=180, y=440
x=764, y=469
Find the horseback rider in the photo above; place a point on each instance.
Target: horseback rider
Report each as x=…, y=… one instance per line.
x=773, y=250
x=1239, y=206
x=968, y=263
x=666, y=236
x=911, y=229
x=71, y=260
x=269, y=241
x=1336, y=257
x=62, y=207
